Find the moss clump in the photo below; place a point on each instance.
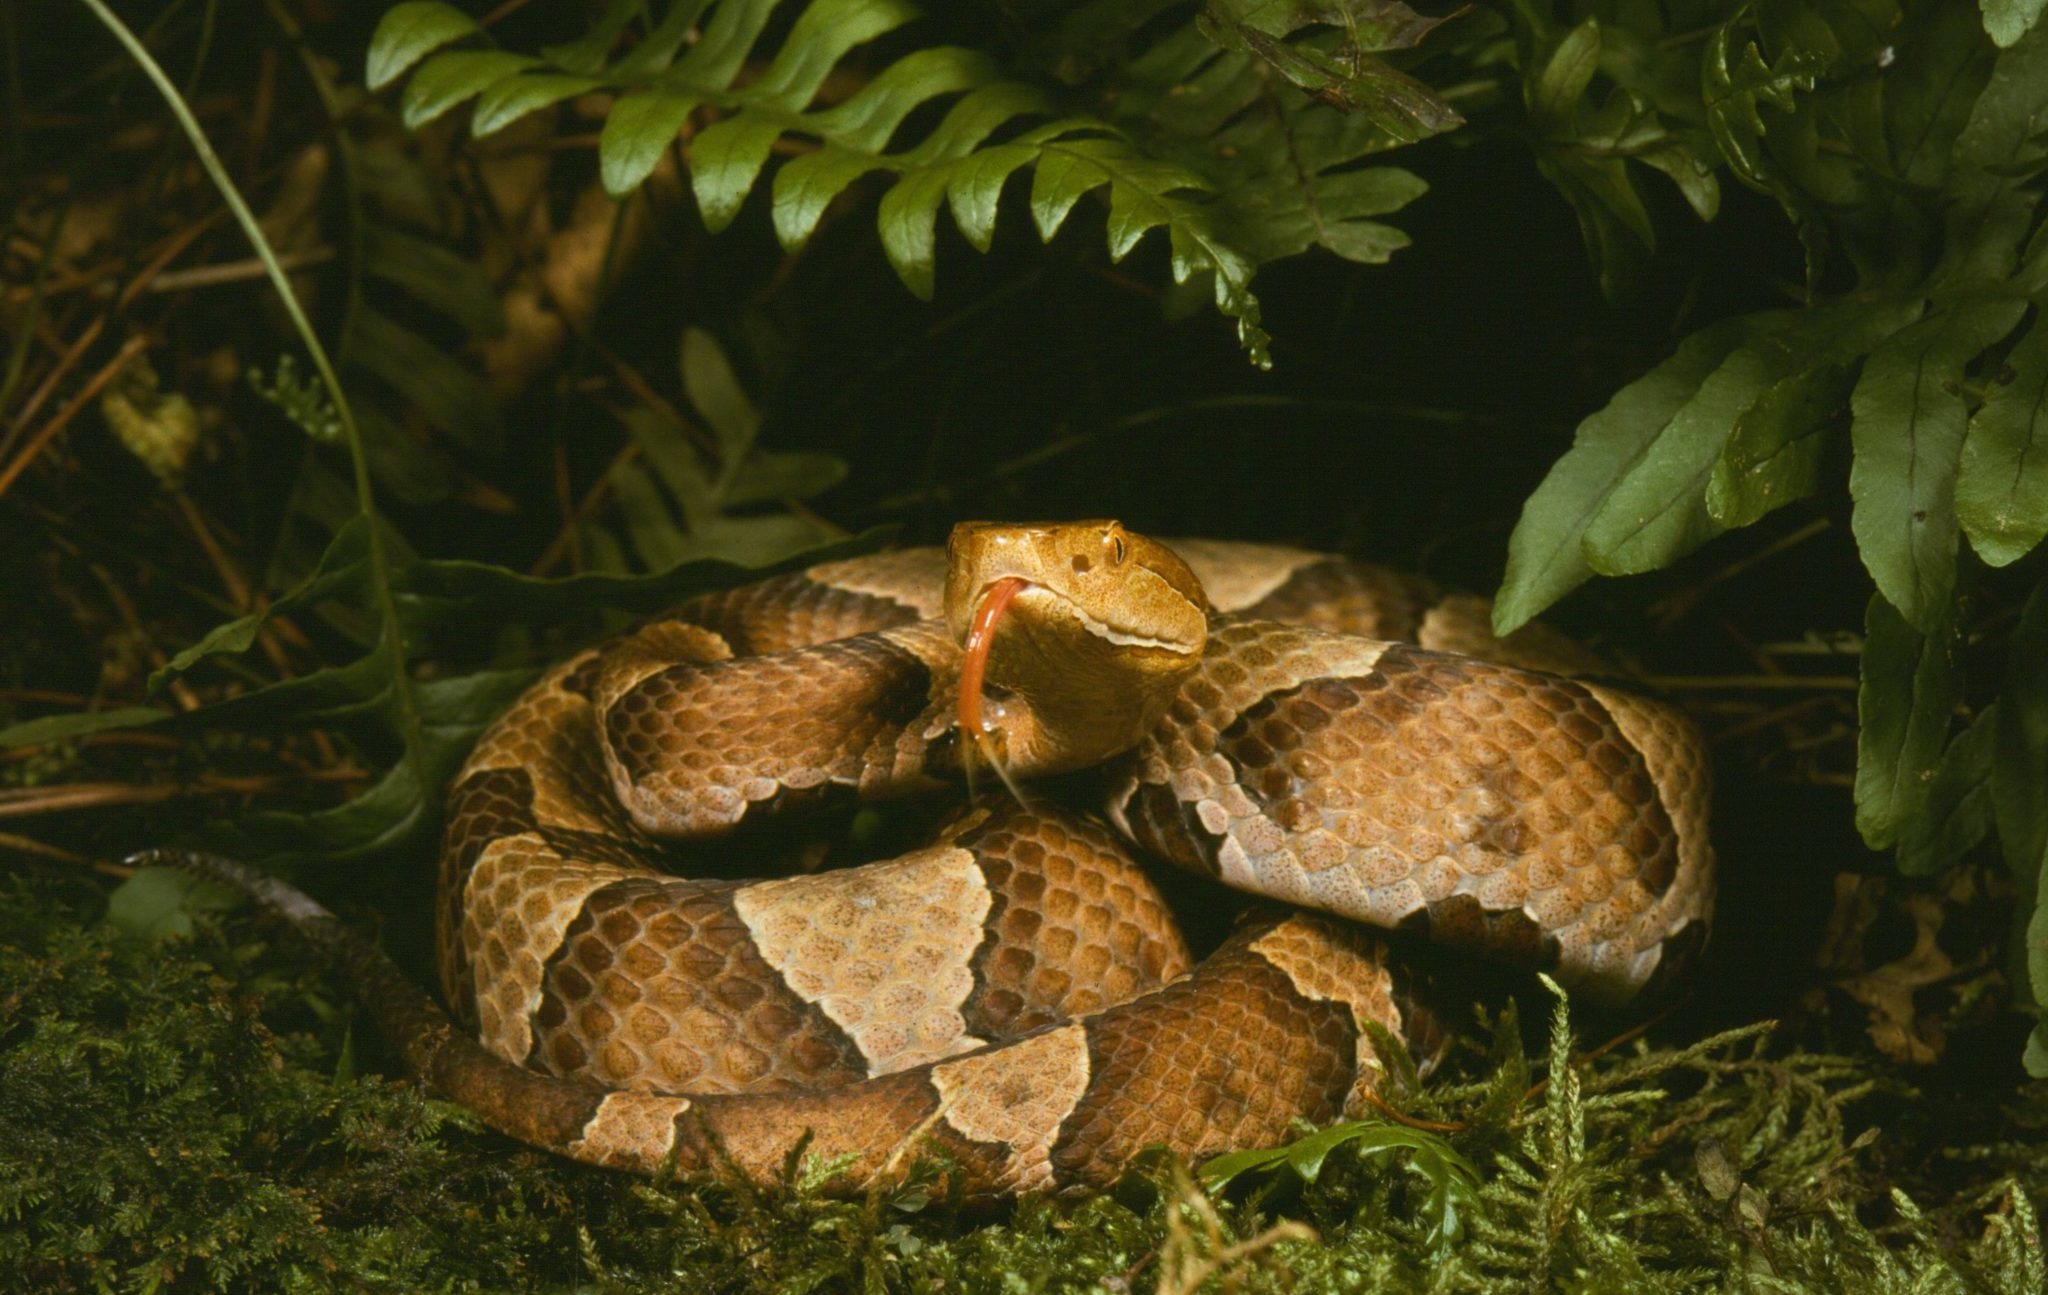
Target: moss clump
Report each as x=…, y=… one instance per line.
x=185, y=1117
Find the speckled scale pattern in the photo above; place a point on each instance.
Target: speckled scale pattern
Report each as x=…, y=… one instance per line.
x=626, y=1017
x=658, y=986
x=1223, y=1059
x=695, y=748
x=1075, y=924
x=1429, y=784
x=792, y=611
x=1349, y=597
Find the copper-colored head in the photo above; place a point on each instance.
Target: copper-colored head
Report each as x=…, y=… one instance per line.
x=1101, y=628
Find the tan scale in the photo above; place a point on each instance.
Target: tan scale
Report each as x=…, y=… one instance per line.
x=520, y=899
x=915, y=578
x=548, y=735
x=1339, y=974
x=1017, y=1098
x=630, y=1131
x=1520, y=814
x=887, y=954
x=1236, y=575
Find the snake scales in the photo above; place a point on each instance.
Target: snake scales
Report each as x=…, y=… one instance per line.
x=1307, y=728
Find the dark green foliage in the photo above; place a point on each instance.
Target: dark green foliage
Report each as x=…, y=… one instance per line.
x=1191, y=136
x=1907, y=150
x=187, y=1117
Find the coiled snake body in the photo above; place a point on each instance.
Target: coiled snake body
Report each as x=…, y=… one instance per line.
x=1306, y=728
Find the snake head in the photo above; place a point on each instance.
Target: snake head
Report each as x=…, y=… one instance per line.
x=1087, y=628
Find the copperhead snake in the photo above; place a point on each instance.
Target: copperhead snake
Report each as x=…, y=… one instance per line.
x=1329, y=735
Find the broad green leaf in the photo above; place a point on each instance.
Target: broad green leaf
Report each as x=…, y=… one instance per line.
x=2004, y=137
x=2005, y=21
x=60, y=728
x=1366, y=242
x=447, y=79
x=434, y=274
x=1613, y=224
x=1452, y=1181
x=449, y=592
x=343, y=574
x=679, y=466
x=825, y=32
x=1403, y=107
x=790, y=474
x=514, y=97
x=908, y=216
x=639, y=128
x=1275, y=221
x=408, y=33
x=1684, y=167
x=1062, y=177
x=1957, y=812
x=654, y=54
x=1909, y=686
x=755, y=541
x=1942, y=64
x=400, y=462
x=586, y=54
x=446, y=392
x=2018, y=773
x=869, y=120
x=1545, y=557
x=399, y=186
x=807, y=185
x=397, y=810
x=715, y=393
x=974, y=190
x=725, y=160
x=166, y=903
x=1848, y=36
x=1563, y=75
x=1773, y=454
x=1331, y=56
x=908, y=222
x=857, y=131
x=1736, y=83
x=656, y=532
x=2002, y=484
x=1910, y=415
x=1658, y=511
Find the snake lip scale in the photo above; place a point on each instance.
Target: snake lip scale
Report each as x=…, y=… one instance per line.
x=1347, y=742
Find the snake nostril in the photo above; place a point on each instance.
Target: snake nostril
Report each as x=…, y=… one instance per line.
x=1081, y=564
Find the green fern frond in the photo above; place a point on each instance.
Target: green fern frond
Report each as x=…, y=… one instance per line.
x=1237, y=166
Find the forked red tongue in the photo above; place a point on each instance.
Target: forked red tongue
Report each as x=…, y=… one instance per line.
x=981, y=632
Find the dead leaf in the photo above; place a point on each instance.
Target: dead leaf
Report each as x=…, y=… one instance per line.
x=1897, y=1030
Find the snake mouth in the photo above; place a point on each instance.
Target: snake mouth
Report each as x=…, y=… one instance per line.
x=991, y=604
x=998, y=593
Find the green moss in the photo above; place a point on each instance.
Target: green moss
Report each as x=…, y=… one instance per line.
x=184, y=1117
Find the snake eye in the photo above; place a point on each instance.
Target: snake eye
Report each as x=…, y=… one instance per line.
x=1118, y=550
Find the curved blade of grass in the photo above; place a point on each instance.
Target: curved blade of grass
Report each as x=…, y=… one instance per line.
x=404, y=706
